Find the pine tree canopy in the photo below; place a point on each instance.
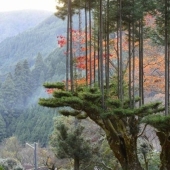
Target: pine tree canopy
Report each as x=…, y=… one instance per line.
x=160, y=122
x=86, y=102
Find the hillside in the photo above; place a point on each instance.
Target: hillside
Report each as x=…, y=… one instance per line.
x=15, y=22
x=27, y=61
x=26, y=45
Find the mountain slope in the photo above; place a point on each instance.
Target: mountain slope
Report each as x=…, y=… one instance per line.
x=15, y=22
x=26, y=45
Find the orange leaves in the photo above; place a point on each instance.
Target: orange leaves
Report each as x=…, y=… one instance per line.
x=50, y=91
x=149, y=20
x=81, y=81
x=61, y=41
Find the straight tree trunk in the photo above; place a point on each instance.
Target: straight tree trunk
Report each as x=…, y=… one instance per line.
x=121, y=59
x=130, y=66
x=67, y=49
x=71, y=48
x=86, y=42
x=101, y=52
x=90, y=44
x=107, y=46
x=141, y=102
x=166, y=61
x=76, y=163
x=118, y=55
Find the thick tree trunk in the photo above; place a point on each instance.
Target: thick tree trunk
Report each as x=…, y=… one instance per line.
x=125, y=150
x=76, y=163
x=165, y=153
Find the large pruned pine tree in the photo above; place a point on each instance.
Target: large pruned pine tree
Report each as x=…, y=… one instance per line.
x=120, y=123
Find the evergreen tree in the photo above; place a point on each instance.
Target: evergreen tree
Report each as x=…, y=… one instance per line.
x=9, y=96
x=19, y=84
x=23, y=86
x=26, y=81
x=119, y=122
x=2, y=128
x=34, y=124
x=39, y=67
x=70, y=144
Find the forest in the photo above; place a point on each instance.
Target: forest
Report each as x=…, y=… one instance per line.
x=109, y=95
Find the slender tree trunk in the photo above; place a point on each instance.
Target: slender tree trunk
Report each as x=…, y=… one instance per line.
x=86, y=50
x=118, y=55
x=130, y=66
x=107, y=46
x=141, y=102
x=90, y=45
x=101, y=52
x=76, y=163
x=133, y=56
x=166, y=61
x=71, y=48
x=68, y=44
x=121, y=59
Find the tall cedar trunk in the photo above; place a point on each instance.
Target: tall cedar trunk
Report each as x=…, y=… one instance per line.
x=68, y=38
x=125, y=150
x=90, y=44
x=165, y=152
x=166, y=60
x=118, y=56
x=76, y=163
x=121, y=59
x=86, y=42
x=133, y=56
x=94, y=56
x=71, y=49
x=101, y=51
x=107, y=46
x=130, y=66
x=141, y=63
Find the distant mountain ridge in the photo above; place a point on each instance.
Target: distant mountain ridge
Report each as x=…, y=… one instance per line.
x=15, y=22
x=26, y=45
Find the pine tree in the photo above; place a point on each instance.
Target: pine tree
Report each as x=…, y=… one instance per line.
x=36, y=72
x=70, y=144
x=119, y=122
x=2, y=128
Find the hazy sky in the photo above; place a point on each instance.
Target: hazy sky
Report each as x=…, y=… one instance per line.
x=10, y=5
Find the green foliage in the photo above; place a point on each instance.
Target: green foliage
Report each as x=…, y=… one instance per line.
x=69, y=142
x=2, y=128
x=59, y=94
x=69, y=112
x=35, y=124
x=10, y=148
x=58, y=85
x=10, y=164
x=148, y=157
x=89, y=100
x=23, y=85
x=160, y=122
x=1, y=167
x=42, y=39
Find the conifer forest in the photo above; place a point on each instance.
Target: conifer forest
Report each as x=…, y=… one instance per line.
x=106, y=103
